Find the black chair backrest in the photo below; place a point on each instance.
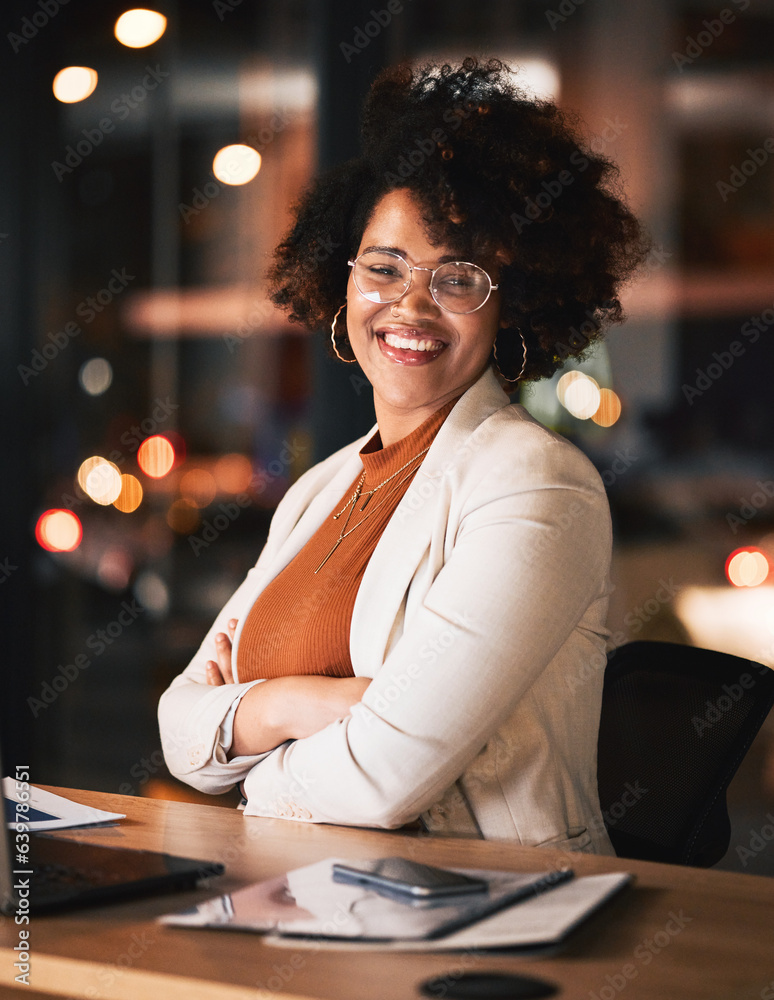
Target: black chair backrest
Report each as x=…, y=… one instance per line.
x=676, y=723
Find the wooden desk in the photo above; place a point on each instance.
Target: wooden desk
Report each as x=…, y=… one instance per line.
x=679, y=934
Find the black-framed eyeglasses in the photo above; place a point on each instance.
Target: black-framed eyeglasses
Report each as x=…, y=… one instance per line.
x=457, y=286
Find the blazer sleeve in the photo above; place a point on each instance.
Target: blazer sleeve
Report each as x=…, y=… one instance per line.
x=191, y=711
x=529, y=553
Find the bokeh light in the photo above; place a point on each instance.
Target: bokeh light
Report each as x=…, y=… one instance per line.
x=198, y=487
x=130, y=497
x=233, y=473
x=236, y=164
x=183, y=517
x=153, y=593
x=58, y=530
x=96, y=376
x=747, y=567
x=114, y=569
x=140, y=27
x=99, y=479
x=74, y=83
x=156, y=456
x=579, y=394
x=609, y=408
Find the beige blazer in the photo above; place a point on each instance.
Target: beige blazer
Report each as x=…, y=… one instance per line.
x=479, y=616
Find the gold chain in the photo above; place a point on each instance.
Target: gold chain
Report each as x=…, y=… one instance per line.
x=352, y=503
x=369, y=493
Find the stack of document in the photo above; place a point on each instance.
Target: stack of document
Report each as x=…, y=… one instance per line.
x=41, y=810
x=307, y=905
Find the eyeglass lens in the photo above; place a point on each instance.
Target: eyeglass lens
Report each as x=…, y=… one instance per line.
x=459, y=287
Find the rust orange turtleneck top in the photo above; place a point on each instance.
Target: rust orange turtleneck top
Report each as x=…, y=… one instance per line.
x=300, y=622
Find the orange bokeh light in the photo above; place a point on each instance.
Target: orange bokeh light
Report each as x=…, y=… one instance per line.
x=156, y=456
x=58, y=530
x=183, y=517
x=198, y=487
x=747, y=567
x=130, y=497
x=609, y=408
x=233, y=473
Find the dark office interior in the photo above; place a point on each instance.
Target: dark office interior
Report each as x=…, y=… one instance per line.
x=134, y=307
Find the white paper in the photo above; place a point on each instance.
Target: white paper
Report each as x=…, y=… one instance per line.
x=543, y=920
x=56, y=812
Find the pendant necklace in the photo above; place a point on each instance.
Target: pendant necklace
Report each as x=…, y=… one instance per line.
x=350, y=505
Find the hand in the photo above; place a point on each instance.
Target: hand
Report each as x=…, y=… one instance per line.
x=292, y=708
x=220, y=672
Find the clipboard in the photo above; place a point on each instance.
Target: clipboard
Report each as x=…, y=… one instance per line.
x=308, y=903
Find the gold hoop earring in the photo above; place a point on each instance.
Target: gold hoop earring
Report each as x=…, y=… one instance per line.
x=523, y=360
x=333, y=338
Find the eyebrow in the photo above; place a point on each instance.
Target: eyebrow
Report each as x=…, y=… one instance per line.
x=446, y=259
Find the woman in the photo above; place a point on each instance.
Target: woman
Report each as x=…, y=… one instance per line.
x=410, y=642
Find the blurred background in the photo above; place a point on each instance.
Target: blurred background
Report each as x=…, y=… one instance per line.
x=156, y=406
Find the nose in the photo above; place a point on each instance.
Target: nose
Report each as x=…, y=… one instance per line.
x=417, y=301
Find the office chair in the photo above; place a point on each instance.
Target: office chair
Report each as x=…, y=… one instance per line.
x=676, y=723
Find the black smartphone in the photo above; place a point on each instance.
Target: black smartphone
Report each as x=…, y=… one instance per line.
x=398, y=875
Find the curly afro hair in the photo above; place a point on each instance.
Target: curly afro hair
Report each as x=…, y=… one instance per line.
x=502, y=179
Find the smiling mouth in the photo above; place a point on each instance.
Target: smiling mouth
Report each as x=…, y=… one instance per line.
x=421, y=344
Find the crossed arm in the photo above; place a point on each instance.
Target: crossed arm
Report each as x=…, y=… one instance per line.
x=282, y=708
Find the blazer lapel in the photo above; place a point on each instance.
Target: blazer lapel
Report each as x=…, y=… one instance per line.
x=314, y=505
x=405, y=540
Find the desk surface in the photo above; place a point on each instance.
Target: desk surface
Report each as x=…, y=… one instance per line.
x=678, y=934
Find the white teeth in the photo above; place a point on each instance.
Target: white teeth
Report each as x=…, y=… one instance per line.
x=411, y=345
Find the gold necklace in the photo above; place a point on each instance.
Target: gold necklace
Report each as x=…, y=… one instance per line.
x=352, y=503
x=369, y=493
